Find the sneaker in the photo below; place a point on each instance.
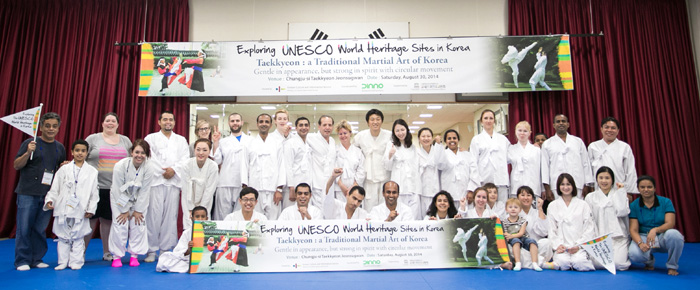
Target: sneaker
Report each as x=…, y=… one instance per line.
x=23, y=268
x=76, y=267
x=133, y=262
x=107, y=257
x=60, y=267
x=150, y=258
x=42, y=265
x=117, y=263
x=517, y=267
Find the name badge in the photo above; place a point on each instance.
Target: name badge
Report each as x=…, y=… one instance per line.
x=47, y=178
x=123, y=200
x=72, y=202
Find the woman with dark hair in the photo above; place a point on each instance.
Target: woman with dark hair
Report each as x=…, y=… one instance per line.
x=199, y=178
x=431, y=158
x=490, y=151
x=129, y=200
x=610, y=208
x=442, y=207
x=106, y=149
x=460, y=175
x=571, y=223
x=537, y=228
x=401, y=158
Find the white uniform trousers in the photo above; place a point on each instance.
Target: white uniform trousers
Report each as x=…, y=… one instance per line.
x=544, y=254
x=340, y=196
x=503, y=193
x=373, y=195
x=620, y=249
x=424, y=203
x=412, y=201
x=317, y=197
x=169, y=262
x=226, y=202
x=162, y=218
x=267, y=206
x=71, y=245
x=135, y=235
x=285, y=198
x=578, y=261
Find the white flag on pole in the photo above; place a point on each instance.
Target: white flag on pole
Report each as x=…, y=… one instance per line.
x=602, y=251
x=26, y=121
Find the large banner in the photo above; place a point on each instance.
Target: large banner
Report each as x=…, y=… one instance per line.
x=347, y=67
x=342, y=245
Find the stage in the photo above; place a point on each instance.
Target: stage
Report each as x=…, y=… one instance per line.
x=98, y=274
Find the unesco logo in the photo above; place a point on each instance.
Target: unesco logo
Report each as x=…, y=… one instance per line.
x=372, y=86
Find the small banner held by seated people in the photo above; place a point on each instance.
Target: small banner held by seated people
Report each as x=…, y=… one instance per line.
x=345, y=245
x=601, y=250
x=356, y=67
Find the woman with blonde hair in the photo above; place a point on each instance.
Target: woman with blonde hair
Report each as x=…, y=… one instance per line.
x=350, y=158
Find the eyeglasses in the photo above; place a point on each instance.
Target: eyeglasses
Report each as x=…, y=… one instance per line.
x=247, y=200
x=204, y=129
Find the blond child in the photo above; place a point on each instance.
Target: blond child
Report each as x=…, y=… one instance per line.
x=514, y=227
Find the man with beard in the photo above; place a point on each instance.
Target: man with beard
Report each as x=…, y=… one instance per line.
x=334, y=209
x=565, y=153
x=302, y=210
x=298, y=161
x=168, y=152
x=229, y=155
x=263, y=168
x=322, y=158
x=392, y=210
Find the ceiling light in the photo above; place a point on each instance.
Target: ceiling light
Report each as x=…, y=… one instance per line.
x=201, y=108
x=418, y=122
x=353, y=122
x=413, y=127
x=268, y=107
x=413, y=131
x=214, y=116
x=434, y=107
x=426, y=115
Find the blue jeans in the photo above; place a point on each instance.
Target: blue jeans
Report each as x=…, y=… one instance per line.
x=670, y=242
x=524, y=242
x=30, y=239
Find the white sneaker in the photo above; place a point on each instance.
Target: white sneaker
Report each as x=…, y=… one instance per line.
x=107, y=257
x=150, y=258
x=23, y=268
x=60, y=267
x=42, y=265
x=517, y=267
x=76, y=267
x=536, y=267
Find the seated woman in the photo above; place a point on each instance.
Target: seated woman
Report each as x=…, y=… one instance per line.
x=442, y=207
x=537, y=228
x=570, y=224
x=652, y=222
x=610, y=208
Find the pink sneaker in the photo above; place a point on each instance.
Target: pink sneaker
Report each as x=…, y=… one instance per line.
x=117, y=262
x=133, y=262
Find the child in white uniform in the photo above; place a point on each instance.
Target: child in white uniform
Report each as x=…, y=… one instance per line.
x=178, y=261
x=73, y=197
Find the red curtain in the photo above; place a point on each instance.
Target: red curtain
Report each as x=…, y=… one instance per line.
x=61, y=53
x=640, y=72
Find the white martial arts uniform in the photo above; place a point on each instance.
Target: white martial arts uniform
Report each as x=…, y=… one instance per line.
x=176, y=261
x=381, y=212
x=298, y=161
x=460, y=174
x=618, y=156
x=611, y=215
x=472, y=213
x=323, y=157
x=130, y=193
x=165, y=193
x=525, y=168
x=334, y=209
x=571, y=226
x=537, y=229
x=491, y=156
x=404, y=169
x=482, y=252
x=292, y=213
x=238, y=216
x=198, y=186
x=352, y=161
x=264, y=170
x=229, y=155
x=566, y=157
x=539, y=74
x=74, y=192
x=288, y=159
x=373, y=149
x=499, y=208
x=513, y=57
x=428, y=166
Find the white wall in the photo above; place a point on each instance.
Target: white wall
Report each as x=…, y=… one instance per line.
x=238, y=20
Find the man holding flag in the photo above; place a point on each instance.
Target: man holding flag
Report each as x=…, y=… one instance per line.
x=38, y=160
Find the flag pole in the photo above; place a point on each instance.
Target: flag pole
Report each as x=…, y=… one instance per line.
x=41, y=106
